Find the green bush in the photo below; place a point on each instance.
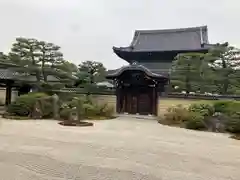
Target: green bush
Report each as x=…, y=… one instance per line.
x=6, y=115
x=24, y=104
x=204, y=109
x=225, y=106
x=87, y=108
x=229, y=108
x=183, y=117
x=90, y=110
x=176, y=116
x=233, y=125
x=46, y=105
x=195, y=121
x=106, y=110
x=65, y=113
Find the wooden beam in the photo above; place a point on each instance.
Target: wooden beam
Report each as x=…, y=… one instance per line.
x=118, y=94
x=8, y=96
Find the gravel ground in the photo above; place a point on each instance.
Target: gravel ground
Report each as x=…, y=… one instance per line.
x=121, y=149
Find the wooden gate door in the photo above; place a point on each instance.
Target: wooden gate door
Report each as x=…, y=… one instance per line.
x=138, y=101
x=131, y=103
x=144, y=104
x=145, y=101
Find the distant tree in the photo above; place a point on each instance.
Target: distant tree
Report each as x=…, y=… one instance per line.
x=39, y=59
x=189, y=72
x=25, y=52
x=49, y=57
x=92, y=71
x=68, y=67
x=224, y=61
x=3, y=57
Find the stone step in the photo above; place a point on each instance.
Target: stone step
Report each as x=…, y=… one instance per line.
x=136, y=116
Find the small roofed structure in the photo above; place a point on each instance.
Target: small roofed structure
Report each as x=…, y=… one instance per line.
x=10, y=79
x=150, y=55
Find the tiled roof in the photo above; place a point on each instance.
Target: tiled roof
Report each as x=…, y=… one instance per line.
x=169, y=39
x=9, y=74
x=134, y=67
x=6, y=74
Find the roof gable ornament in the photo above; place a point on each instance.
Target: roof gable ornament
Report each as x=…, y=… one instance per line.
x=134, y=63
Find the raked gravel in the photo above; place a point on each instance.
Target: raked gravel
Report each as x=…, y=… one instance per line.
x=120, y=149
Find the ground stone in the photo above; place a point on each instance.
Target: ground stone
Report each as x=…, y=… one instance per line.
x=119, y=149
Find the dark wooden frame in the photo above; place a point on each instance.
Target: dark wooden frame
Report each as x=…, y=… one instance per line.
x=126, y=93
x=9, y=85
x=125, y=100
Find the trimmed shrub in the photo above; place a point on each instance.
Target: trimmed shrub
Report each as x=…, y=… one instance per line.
x=107, y=111
x=6, y=115
x=221, y=106
x=226, y=106
x=95, y=111
x=233, y=125
x=90, y=110
x=195, y=122
x=86, y=109
x=65, y=113
x=217, y=122
x=24, y=104
x=204, y=109
x=175, y=116
x=46, y=106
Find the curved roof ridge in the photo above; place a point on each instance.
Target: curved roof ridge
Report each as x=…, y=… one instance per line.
x=197, y=28
x=136, y=67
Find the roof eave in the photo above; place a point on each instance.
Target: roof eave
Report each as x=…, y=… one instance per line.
x=133, y=68
x=197, y=28
x=120, y=50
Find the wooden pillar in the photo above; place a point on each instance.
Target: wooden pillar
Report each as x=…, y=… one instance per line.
x=157, y=97
x=154, y=100
x=8, y=96
x=118, y=104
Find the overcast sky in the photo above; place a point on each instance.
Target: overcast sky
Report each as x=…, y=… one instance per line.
x=87, y=29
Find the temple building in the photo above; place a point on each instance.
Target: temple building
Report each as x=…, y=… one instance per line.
x=150, y=55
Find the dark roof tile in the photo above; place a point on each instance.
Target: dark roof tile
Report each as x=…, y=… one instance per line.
x=170, y=39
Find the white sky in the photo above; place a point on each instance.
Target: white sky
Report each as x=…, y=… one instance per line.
x=87, y=29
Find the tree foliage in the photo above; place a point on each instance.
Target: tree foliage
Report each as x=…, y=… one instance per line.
x=187, y=71
x=214, y=72
x=40, y=59
x=91, y=72
x=224, y=61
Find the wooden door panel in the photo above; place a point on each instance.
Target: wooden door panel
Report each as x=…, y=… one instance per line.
x=138, y=100
x=144, y=104
x=133, y=104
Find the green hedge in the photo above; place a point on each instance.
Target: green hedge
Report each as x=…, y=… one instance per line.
x=23, y=105
x=86, y=109
x=221, y=116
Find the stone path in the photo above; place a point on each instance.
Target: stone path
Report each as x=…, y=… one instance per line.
x=121, y=149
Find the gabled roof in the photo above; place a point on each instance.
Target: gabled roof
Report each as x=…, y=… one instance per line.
x=9, y=74
x=182, y=39
x=135, y=67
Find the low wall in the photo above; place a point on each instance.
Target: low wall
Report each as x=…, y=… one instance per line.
x=163, y=103
x=111, y=100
